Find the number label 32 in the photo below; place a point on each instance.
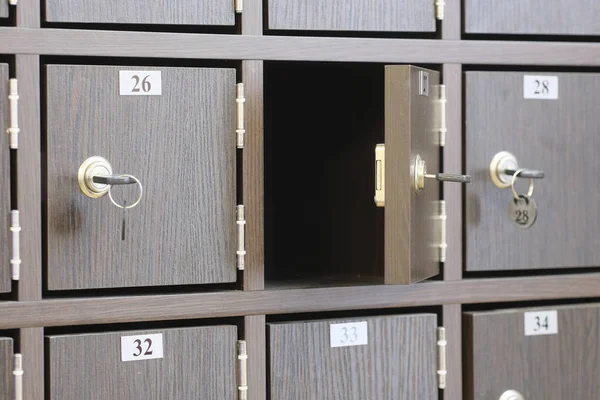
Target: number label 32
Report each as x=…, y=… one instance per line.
x=141, y=347
x=542, y=87
x=541, y=323
x=140, y=83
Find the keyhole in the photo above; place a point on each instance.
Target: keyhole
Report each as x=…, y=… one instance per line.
x=123, y=222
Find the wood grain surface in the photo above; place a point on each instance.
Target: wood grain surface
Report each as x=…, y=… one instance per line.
x=4, y=9
x=174, y=12
x=253, y=47
x=409, y=132
x=558, y=137
x=180, y=145
x=5, y=191
x=198, y=363
x=452, y=321
x=256, y=338
x=352, y=15
x=6, y=369
x=550, y=367
x=540, y=17
x=398, y=363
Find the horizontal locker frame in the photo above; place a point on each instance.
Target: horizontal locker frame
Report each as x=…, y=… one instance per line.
x=90, y=311
x=254, y=47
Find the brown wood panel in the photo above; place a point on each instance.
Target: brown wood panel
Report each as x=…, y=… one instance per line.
x=253, y=175
x=180, y=145
x=352, y=15
x=197, y=363
x=453, y=323
x=6, y=369
x=254, y=47
x=32, y=348
x=451, y=24
x=540, y=17
x=174, y=12
x=453, y=163
x=29, y=196
x=409, y=132
x=77, y=311
x=252, y=17
x=559, y=137
x=256, y=338
x=28, y=14
x=399, y=361
x=550, y=367
x=5, y=193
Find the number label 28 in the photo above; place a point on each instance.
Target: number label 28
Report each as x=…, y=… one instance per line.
x=140, y=83
x=141, y=347
x=349, y=334
x=540, y=87
x=541, y=323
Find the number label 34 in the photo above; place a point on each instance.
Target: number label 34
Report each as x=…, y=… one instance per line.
x=541, y=323
x=349, y=334
x=542, y=87
x=140, y=83
x=141, y=347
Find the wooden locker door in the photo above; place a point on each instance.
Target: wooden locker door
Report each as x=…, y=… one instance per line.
x=5, y=240
x=533, y=17
x=6, y=369
x=352, y=15
x=410, y=253
x=179, y=144
x=4, y=9
x=557, y=136
x=173, y=12
x=197, y=363
x=500, y=357
x=397, y=363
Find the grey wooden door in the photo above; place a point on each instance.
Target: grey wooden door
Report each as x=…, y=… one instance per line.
x=173, y=12
x=3, y=9
x=410, y=253
x=536, y=17
x=6, y=369
x=352, y=15
x=500, y=357
x=180, y=145
x=197, y=363
x=397, y=363
x=5, y=243
x=557, y=136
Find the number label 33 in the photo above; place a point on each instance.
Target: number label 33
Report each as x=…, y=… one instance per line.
x=141, y=347
x=140, y=83
x=349, y=334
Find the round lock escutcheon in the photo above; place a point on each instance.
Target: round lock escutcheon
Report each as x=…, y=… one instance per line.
x=501, y=162
x=94, y=166
x=511, y=395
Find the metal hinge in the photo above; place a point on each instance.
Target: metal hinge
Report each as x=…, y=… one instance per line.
x=440, y=5
x=241, y=237
x=441, y=366
x=15, y=260
x=242, y=370
x=18, y=374
x=13, y=103
x=439, y=220
x=239, y=6
x=12, y=2
x=440, y=123
x=240, y=128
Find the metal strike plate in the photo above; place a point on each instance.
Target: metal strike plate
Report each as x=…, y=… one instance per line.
x=94, y=166
x=380, y=175
x=511, y=395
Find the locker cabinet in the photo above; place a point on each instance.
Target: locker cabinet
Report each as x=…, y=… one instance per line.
x=394, y=360
x=6, y=369
x=353, y=15
x=555, y=132
x=501, y=357
x=196, y=363
x=351, y=194
x=532, y=17
x=174, y=12
x=5, y=267
x=179, y=146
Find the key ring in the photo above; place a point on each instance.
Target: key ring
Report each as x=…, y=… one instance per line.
x=138, y=199
x=514, y=180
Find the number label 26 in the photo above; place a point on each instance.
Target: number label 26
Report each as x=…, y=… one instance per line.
x=142, y=347
x=140, y=83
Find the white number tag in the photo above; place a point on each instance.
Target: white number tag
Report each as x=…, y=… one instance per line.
x=540, y=87
x=541, y=323
x=143, y=347
x=140, y=83
x=350, y=334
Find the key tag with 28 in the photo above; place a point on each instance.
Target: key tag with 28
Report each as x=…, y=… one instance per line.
x=522, y=208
